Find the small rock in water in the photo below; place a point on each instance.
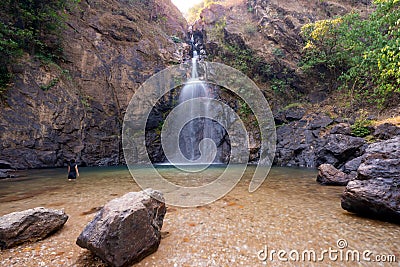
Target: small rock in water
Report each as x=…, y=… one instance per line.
x=126, y=229
x=29, y=225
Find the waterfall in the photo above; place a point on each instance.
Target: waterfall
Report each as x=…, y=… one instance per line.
x=199, y=128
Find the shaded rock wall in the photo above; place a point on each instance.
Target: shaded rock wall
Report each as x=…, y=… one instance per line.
x=53, y=113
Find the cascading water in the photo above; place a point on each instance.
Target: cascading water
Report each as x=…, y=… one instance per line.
x=197, y=129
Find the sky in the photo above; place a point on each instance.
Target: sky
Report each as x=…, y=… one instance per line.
x=184, y=5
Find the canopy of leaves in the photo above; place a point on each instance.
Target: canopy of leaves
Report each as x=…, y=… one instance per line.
x=31, y=26
x=364, y=54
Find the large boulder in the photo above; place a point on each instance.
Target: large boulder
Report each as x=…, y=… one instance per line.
x=308, y=143
x=337, y=149
x=381, y=159
x=126, y=229
x=295, y=113
x=352, y=165
x=341, y=128
x=376, y=192
x=329, y=175
x=386, y=131
x=377, y=198
x=29, y=225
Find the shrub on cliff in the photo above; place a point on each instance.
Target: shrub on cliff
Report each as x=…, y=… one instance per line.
x=362, y=53
x=29, y=26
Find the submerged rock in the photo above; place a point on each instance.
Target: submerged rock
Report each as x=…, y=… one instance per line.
x=29, y=225
x=378, y=198
x=329, y=175
x=126, y=229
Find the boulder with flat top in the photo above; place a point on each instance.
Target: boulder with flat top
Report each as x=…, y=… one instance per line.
x=126, y=229
x=29, y=225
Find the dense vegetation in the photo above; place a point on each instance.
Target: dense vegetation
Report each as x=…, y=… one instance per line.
x=363, y=54
x=29, y=26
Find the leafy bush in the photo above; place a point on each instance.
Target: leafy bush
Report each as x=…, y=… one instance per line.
x=363, y=54
x=29, y=26
x=360, y=128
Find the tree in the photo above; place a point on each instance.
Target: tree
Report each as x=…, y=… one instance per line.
x=29, y=26
x=362, y=53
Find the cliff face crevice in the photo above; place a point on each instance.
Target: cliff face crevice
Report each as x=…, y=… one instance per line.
x=54, y=112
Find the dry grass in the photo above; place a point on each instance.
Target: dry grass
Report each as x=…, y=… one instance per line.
x=393, y=120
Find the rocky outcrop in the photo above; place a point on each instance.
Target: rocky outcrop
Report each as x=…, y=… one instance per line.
x=306, y=141
x=329, y=175
x=337, y=149
x=126, y=229
x=376, y=192
x=267, y=34
x=381, y=160
x=53, y=113
x=29, y=225
x=386, y=131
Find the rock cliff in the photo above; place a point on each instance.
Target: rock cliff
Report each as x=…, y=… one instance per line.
x=262, y=39
x=75, y=109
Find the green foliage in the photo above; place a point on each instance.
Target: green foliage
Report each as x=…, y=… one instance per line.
x=85, y=101
x=193, y=13
x=244, y=109
x=362, y=53
x=245, y=60
x=360, y=127
x=52, y=83
x=217, y=32
x=176, y=39
x=278, y=85
x=29, y=26
x=279, y=53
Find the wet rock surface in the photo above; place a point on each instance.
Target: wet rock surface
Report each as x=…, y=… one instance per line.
x=29, y=225
x=329, y=175
x=126, y=229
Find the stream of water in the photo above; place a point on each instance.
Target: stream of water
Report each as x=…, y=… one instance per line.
x=290, y=211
